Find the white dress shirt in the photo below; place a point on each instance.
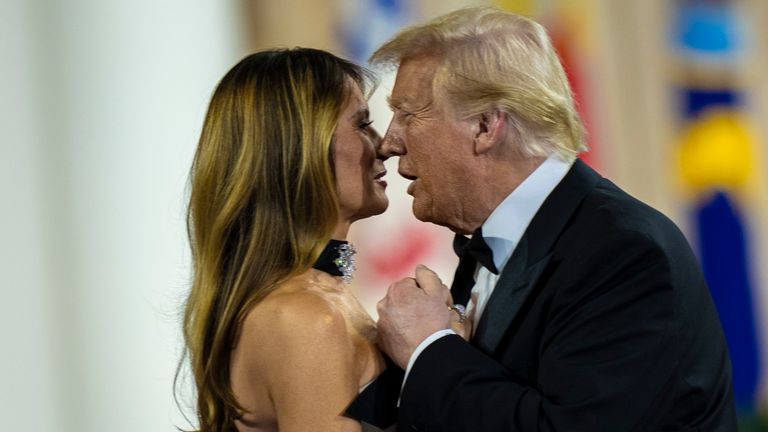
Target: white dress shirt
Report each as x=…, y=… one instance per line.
x=502, y=232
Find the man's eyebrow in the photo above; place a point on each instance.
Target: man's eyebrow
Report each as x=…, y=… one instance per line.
x=394, y=103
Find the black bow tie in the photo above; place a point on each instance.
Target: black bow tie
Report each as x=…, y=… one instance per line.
x=470, y=252
x=477, y=248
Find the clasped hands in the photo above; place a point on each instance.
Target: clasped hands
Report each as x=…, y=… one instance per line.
x=414, y=309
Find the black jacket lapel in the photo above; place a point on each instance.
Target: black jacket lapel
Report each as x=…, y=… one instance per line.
x=532, y=255
x=513, y=287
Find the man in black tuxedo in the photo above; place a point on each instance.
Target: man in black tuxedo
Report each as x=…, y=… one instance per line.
x=586, y=309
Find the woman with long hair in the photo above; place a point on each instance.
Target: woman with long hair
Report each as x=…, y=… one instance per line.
x=286, y=161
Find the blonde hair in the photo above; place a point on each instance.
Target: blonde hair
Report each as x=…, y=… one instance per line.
x=494, y=60
x=263, y=202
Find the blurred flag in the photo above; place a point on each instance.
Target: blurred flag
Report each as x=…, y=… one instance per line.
x=366, y=24
x=718, y=168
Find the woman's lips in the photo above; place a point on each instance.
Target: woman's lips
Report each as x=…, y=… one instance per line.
x=379, y=178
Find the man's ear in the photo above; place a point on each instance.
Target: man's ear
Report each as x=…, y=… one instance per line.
x=491, y=131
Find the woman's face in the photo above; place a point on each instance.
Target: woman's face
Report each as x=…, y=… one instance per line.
x=359, y=173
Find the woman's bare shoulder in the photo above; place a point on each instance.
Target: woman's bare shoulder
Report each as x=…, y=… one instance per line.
x=300, y=347
x=300, y=312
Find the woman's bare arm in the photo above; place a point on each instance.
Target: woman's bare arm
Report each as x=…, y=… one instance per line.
x=309, y=365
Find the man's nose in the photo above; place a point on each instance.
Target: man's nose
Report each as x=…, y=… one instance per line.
x=391, y=145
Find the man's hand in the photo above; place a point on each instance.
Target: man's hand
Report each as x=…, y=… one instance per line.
x=413, y=310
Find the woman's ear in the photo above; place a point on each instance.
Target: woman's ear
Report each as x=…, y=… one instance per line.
x=491, y=131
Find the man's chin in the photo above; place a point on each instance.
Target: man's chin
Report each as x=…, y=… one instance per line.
x=421, y=213
x=426, y=215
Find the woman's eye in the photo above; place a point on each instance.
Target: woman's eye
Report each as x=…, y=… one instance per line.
x=365, y=124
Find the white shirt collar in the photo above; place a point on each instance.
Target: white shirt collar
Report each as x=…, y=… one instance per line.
x=509, y=220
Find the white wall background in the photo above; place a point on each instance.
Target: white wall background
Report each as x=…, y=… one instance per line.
x=101, y=104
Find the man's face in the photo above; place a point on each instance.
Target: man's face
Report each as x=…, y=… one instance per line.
x=434, y=147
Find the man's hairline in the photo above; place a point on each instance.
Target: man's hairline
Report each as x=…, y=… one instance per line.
x=439, y=96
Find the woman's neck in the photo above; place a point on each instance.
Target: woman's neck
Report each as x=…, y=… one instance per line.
x=341, y=230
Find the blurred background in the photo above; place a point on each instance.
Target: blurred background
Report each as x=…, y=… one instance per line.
x=102, y=102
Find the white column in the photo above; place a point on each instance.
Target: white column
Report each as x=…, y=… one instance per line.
x=100, y=164
x=27, y=357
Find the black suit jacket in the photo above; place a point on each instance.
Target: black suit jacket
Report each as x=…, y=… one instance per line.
x=601, y=321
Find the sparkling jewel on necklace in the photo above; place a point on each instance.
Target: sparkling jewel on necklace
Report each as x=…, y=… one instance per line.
x=346, y=261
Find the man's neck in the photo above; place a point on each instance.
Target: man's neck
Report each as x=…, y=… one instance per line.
x=494, y=183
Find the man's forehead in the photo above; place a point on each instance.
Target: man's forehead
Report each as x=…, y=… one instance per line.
x=413, y=81
x=424, y=63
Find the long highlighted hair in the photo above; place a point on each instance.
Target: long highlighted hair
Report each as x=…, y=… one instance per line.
x=263, y=202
